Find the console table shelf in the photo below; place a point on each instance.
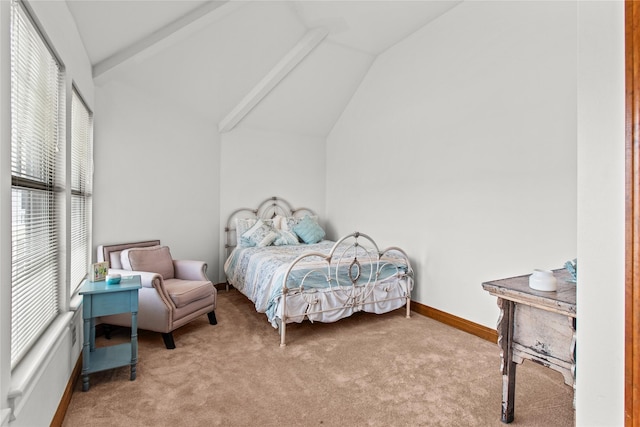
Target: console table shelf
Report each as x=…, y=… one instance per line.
x=103, y=358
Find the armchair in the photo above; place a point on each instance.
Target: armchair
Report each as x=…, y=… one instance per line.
x=173, y=293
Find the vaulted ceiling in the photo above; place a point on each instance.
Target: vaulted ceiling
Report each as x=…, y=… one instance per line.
x=276, y=65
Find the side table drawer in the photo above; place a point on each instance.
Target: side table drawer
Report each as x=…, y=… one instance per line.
x=113, y=303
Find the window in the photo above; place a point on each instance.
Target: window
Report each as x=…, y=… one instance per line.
x=81, y=187
x=37, y=152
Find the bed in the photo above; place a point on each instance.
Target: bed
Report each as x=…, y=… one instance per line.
x=279, y=258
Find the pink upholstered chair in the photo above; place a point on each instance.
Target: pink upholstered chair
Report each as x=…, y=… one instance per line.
x=173, y=293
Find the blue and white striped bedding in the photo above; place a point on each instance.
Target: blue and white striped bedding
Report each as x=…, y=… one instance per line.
x=258, y=272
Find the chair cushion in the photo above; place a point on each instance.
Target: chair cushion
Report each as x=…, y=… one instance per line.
x=184, y=292
x=156, y=259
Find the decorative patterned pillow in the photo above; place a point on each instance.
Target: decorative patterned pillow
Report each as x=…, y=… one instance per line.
x=286, y=238
x=260, y=234
x=155, y=259
x=308, y=230
x=244, y=224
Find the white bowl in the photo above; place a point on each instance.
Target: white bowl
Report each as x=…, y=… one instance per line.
x=543, y=280
x=113, y=279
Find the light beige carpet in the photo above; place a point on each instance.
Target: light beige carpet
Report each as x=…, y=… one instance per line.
x=368, y=370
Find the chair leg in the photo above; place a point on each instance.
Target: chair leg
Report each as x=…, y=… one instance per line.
x=212, y=318
x=168, y=341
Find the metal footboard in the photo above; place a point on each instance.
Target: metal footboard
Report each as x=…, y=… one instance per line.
x=353, y=270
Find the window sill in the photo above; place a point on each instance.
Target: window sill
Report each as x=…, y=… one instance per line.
x=33, y=365
x=76, y=303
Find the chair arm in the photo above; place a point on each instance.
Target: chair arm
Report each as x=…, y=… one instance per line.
x=147, y=279
x=187, y=269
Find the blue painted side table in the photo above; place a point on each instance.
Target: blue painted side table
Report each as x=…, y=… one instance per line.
x=100, y=299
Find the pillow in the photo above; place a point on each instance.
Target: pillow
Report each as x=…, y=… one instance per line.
x=242, y=225
x=261, y=234
x=123, y=256
x=279, y=221
x=156, y=259
x=288, y=223
x=286, y=238
x=291, y=221
x=114, y=259
x=308, y=230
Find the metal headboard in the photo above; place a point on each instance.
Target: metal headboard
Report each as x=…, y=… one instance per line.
x=269, y=208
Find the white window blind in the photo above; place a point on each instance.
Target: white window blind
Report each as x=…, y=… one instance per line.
x=36, y=148
x=81, y=187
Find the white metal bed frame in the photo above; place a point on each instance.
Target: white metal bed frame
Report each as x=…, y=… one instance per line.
x=347, y=253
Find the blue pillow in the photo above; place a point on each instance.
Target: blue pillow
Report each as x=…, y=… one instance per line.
x=308, y=230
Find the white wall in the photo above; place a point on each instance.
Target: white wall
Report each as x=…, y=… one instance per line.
x=601, y=199
x=39, y=381
x=156, y=174
x=258, y=164
x=499, y=155
x=460, y=146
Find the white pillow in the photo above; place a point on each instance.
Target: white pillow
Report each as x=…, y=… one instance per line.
x=261, y=234
x=279, y=221
x=243, y=225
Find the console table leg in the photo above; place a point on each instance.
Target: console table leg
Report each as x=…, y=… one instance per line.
x=134, y=343
x=86, y=353
x=508, y=366
x=508, y=393
x=573, y=322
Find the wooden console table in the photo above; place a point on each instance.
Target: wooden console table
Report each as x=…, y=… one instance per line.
x=534, y=325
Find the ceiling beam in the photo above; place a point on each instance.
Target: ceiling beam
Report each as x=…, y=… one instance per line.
x=309, y=41
x=166, y=36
